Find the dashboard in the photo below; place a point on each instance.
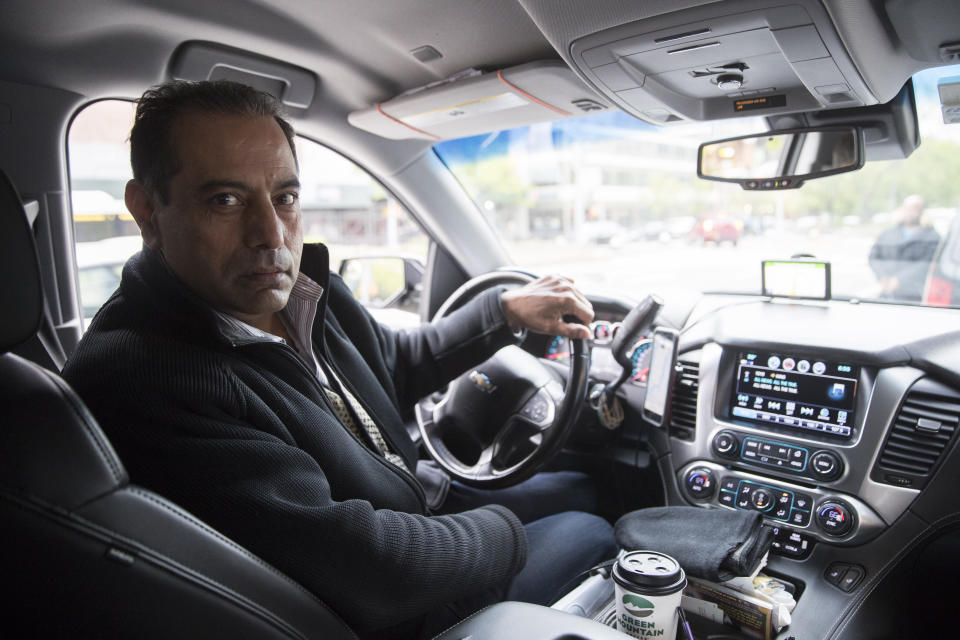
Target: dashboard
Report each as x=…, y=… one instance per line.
x=835, y=420
x=794, y=410
x=814, y=412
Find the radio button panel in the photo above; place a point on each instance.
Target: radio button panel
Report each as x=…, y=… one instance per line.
x=820, y=464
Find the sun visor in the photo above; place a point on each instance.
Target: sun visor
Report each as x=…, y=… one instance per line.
x=473, y=102
x=196, y=61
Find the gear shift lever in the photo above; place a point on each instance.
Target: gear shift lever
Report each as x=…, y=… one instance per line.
x=636, y=324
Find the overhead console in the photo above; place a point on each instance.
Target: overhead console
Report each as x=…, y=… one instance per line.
x=697, y=65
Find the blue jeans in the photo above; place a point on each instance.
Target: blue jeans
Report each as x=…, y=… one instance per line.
x=560, y=549
x=543, y=495
x=564, y=539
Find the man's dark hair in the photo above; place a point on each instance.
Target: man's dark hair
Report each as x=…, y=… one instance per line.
x=152, y=154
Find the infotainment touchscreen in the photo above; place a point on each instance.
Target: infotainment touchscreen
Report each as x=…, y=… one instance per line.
x=795, y=391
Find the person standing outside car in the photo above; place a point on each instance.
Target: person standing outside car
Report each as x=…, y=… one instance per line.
x=901, y=256
x=237, y=376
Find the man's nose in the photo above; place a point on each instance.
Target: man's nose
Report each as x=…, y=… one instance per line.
x=263, y=227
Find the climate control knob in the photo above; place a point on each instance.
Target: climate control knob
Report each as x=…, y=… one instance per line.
x=700, y=483
x=726, y=444
x=835, y=517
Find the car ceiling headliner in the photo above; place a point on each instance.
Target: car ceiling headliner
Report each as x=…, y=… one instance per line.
x=360, y=49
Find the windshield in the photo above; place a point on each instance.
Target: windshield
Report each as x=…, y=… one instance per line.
x=615, y=203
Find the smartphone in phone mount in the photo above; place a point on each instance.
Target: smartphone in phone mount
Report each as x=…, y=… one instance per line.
x=663, y=362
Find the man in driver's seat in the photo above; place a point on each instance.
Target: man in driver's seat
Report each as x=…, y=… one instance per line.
x=239, y=378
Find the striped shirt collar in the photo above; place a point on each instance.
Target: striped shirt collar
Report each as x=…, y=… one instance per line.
x=298, y=317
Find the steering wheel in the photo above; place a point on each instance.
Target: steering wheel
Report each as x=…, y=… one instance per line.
x=501, y=421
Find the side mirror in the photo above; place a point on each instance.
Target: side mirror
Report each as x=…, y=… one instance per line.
x=382, y=282
x=782, y=159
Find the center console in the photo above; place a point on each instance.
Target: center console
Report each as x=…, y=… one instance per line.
x=793, y=434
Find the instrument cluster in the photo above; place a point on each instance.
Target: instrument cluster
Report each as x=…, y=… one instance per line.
x=602, y=364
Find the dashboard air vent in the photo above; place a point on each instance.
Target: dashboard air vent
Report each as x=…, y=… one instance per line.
x=921, y=431
x=683, y=405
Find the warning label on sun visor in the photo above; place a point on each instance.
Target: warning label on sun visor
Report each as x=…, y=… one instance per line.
x=456, y=112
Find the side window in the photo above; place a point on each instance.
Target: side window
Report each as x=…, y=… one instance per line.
x=383, y=248
x=105, y=232
x=374, y=243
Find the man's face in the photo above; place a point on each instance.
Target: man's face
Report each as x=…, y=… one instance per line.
x=231, y=228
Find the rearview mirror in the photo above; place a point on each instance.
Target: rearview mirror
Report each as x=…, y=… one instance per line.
x=782, y=159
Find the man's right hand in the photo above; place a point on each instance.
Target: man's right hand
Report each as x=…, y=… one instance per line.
x=540, y=306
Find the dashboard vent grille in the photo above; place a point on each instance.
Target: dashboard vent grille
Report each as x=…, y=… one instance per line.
x=921, y=431
x=683, y=405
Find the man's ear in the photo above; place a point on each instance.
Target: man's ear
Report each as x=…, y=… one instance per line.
x=141, y=207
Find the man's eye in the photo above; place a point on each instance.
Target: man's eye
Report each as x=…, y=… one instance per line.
x=226, y=200
x=287, y=199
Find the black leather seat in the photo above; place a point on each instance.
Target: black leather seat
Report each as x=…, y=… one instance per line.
x=83, y=553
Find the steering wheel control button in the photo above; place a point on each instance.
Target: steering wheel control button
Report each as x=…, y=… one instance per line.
x=539, y=408
x=700, y=483
x=762, y=500
x=769, y=453
x=835, y=517
x=826, y=465
x=726, y=444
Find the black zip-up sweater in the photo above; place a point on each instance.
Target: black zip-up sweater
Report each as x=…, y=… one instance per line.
x=242, y=435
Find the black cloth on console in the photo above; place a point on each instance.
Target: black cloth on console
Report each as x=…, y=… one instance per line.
x=713, y=544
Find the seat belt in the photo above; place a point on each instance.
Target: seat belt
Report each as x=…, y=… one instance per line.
x=50, y=341
x=47, y=334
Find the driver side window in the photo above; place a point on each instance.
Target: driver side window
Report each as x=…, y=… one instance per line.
x=374, y=243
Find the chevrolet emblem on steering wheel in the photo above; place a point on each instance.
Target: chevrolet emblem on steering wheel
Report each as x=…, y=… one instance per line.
x=482, y=381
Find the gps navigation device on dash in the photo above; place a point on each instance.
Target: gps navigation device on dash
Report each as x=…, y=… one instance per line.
x=808, y=279
x=797, y=392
